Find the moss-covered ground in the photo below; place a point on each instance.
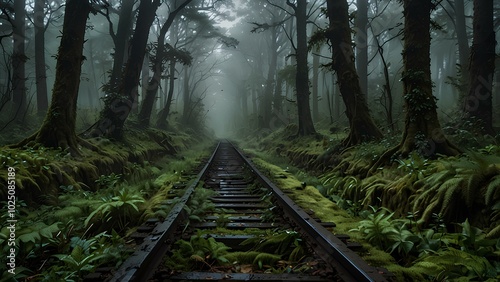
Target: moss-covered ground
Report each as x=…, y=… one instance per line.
x=75, y=213
x=423, y=219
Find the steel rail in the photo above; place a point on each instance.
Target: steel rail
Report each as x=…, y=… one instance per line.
x=347, y=265
x=139, y=266
x=332, y=250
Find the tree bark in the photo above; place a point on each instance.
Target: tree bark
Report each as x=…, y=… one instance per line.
x=422, y=128
x=478, y=104
x=152, y=89
x=362, y=45
x=315, y=82
x=277, y=99
x=119, y=105
x=120, y=41
x=58, y=128
x=162, y=117
x=18, y=61
x=463, y=43
x=42, y=101
x=306, y=125
x=186, y=97
x=266, y=105
x=362, y=127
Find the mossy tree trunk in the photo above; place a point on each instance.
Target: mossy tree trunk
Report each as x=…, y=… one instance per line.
x=58, y=128
x=118, y=105
x=362, y=126
x=478, y=104
x=422, y=128
x=306, y=125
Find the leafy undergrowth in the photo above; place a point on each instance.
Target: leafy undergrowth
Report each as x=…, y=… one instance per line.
x=41, y=171
x=422, y=219
x=270, y=252
x=79, y=229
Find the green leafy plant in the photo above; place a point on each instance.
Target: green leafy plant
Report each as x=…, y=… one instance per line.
x=285, y=243
x=474, y=241
x=198, y=249
x=456, y=183
x=378, y=228
x=108, y=180
x=414, y=165
x=117, y=211
x=198, y=205
x=452, y=264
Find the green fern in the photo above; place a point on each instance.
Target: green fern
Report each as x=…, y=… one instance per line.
x=378, y=228
x=453, y=264
x=458, y=182
x=492, y=190
x=199, y=249
x=287, y=243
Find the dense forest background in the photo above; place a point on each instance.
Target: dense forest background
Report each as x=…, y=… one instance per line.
x=232, y=64
x=390, y=108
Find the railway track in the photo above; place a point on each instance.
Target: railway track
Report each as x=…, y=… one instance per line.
x=241, y=198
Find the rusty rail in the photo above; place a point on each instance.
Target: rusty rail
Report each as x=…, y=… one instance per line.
x=347, y=265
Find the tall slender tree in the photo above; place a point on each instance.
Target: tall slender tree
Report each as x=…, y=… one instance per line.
x=158, y=67
x=362, y=126
x=40, y=67
x=19, y=59
x=478, y=103
x=306, y=125
x=463, y=42
x=362, y=44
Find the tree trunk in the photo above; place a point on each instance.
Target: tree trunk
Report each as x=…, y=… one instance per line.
x=186, y=97
x=120, y=41
x=42, y=101
x=266, y=102
x=18, y=61
x=244, y=102
x=463, y=45
x=58, y=128
x=119, y=105
x=422, y=129
x=153, y=84
x=277, y=99
x=144, y=85
x=315, y=79
x=306, y=125
x=361, y=124
x=478, y=104
x=255, y=109
x=362, y=45
x=162, y=117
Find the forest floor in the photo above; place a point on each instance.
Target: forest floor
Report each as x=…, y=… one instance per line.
x=423, y=219
x=74, y=214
